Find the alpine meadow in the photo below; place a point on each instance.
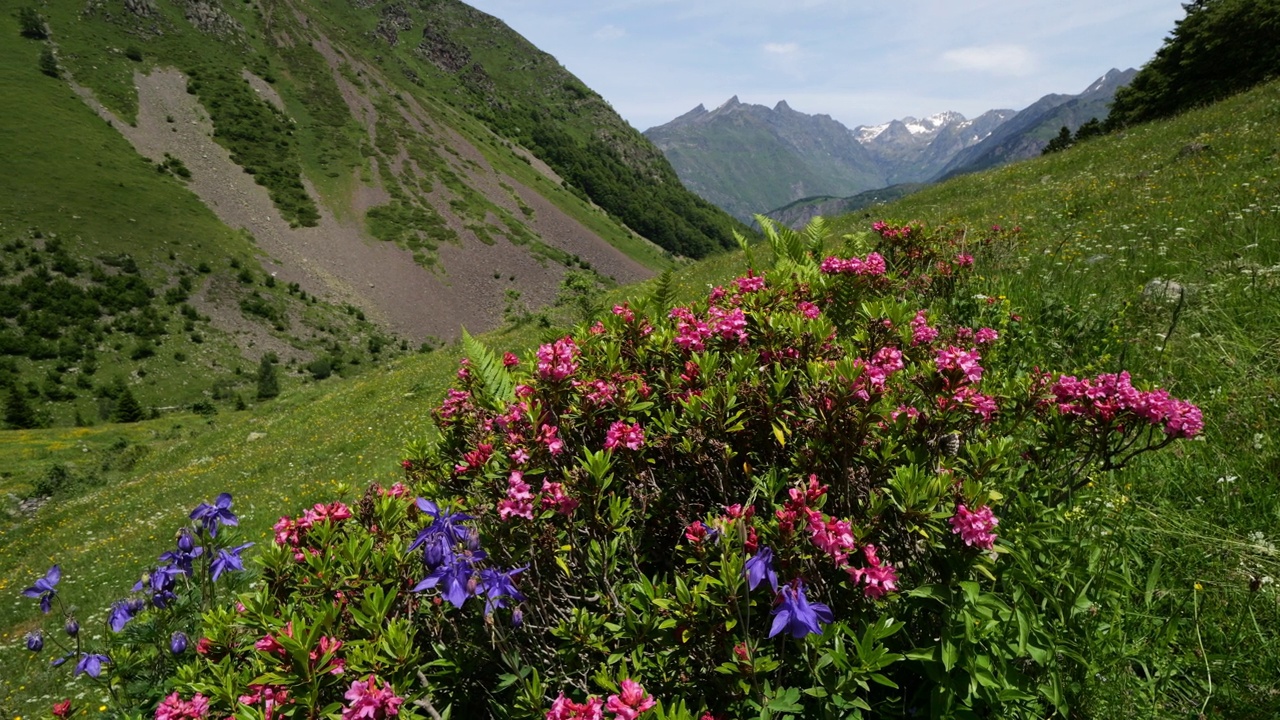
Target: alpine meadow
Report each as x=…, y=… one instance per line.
x=360, y=361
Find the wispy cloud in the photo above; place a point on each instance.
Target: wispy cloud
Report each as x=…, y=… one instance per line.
x=781, y=48
x=609, y=32
x=1014, y=60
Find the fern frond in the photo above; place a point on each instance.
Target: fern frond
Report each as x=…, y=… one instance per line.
x=745, y=247
x=663, y=292
x=496, y=388
x=815, y=234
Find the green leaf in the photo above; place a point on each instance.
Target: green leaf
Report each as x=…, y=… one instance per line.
x=496, y=388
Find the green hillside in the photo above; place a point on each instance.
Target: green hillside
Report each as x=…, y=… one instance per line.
x=358, y=130
x=1187, y=618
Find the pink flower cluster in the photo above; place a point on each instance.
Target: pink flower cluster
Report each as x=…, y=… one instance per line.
x=626, y=705
x=475, y=459
x=808, y=309
x=632, y=701
x=562, y=708
x=553, y=497
x=835, y=538
x=889, y=232
x=921, y=333
x=271, y=697
x=877, y=579
x=691, y=333
x=975, y=527
x=370, y=702
x=175, y=708
x=1110, y=396
x=455, y=402
x=886, y=362
x=952, y=358
x=750, y=283
x=519, y=500
x=728, y=324
x=625, y=435
x=873, y=266
x=969, y=398
x=291, y=532
x=559, y=360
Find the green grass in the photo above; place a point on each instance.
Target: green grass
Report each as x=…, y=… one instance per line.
x=1201, y=638
x=1196, y=200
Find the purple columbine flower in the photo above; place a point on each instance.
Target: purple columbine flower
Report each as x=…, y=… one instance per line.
x=797, y=615
x=496, y=585
x=35, y=641
x=72, y=627
x=229, y=560
x=178, y=643
x=122, y=612
x=186, y=552
x=219, y=513
x=45, y=588
x=760, y=568
x=438, y=538
x=455, y=578
x=90, y=664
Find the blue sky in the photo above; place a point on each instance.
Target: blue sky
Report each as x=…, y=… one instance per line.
x=861, y=62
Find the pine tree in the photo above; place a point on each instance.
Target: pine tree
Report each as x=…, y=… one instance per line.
x=1059, y=143
x=128, y=409
x=268, y=380
x=18, y=413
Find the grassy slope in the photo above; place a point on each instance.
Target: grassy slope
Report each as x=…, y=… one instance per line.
x=1195, y=199
x=1130, y=193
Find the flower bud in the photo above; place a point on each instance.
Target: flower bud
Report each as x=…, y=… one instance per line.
x=72, y=627
x=517, y=617
x=35, y=641
x=178, y=643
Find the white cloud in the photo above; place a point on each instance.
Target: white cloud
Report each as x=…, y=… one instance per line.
x=610, y=32
x=781, y=48
x=996, y=59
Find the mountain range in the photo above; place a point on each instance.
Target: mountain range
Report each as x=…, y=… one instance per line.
x=322, y=182
x=752, y=159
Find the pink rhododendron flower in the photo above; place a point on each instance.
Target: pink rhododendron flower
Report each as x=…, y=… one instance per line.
x=975, y=527
x=369, y=702
x=748, y=284
x=510, y=360
x=558, y=360
x=986, y=335
x=953, y=358
x=872, y=266
x=964, y=260
x=921, y=333
x=549, y=437
x=808, y=309
x=1108, y=396
x=728, y=324
x=877, y=578
x=269, y=644
x=625, y=313
x=632, y=701
x=628, y=436
x=553, y=497
x=456, y=402
x=271, y=697
x=519, y=501
x=563, y=708
x=175, y=708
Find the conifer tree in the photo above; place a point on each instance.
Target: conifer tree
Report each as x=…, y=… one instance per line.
x=18, y=413
x=128, y=409
x=1059, y=143
x=268, y=380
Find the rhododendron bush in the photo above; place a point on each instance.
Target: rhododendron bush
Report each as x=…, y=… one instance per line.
x=810, y=494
